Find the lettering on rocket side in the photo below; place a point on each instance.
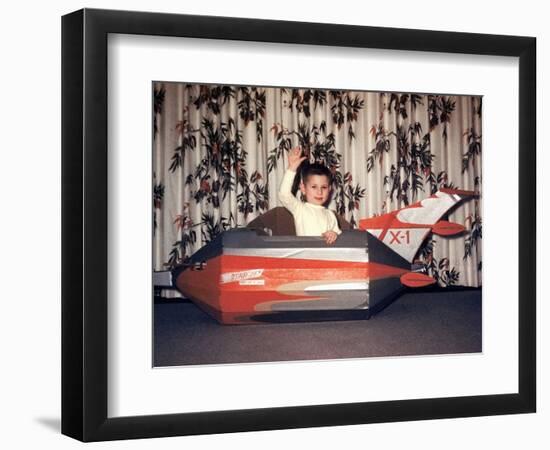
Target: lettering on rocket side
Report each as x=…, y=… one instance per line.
x=404, y=241
x=400, y=237
x=230, y=277
x=258, y=282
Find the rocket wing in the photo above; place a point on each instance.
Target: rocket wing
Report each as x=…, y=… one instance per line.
x=405, y=230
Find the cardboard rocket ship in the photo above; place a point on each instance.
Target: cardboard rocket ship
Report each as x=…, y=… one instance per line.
x=245, y=275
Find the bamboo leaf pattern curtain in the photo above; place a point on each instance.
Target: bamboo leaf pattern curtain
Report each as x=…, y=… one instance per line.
x=219, y=154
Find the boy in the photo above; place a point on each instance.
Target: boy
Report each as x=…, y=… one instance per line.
x=311, y=217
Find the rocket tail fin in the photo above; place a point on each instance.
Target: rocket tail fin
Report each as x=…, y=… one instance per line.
x=405, y=230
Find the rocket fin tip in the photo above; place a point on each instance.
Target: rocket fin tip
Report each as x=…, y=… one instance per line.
x=416, y=280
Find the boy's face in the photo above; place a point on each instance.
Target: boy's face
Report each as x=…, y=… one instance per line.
x=316, y=189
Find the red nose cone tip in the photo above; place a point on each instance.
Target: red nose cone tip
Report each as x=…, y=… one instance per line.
x=445, y=228
x=415, y=280
x=460, y=192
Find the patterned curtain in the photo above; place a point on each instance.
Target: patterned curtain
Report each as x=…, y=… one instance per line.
x=220, y=153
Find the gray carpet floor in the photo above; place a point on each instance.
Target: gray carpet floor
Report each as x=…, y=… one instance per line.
x=416, y=324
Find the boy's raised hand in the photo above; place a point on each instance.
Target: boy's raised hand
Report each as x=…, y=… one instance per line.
x=295, y=158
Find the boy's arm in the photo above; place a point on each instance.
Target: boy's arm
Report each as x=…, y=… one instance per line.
x=334, y=230
x=334, y=223
x=285, y=192
x=288, y=200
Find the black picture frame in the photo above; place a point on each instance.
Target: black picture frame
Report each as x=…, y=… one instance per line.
x=84, y=224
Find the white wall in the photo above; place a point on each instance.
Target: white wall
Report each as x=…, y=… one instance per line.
x=30, y=225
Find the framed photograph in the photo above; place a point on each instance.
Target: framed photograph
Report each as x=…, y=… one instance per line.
x=196, y=297
x=393, y=164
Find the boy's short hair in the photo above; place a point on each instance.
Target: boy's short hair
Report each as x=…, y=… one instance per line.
x=307, y=169
x=315, y=169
